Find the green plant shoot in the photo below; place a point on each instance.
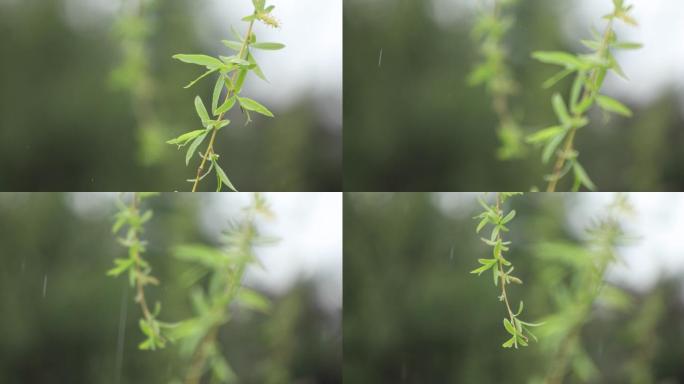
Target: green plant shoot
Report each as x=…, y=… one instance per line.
x=502, y=269
x=130, y=220
x=224, y=268
x=590, y=71
x=494, y=73
x=231, y=72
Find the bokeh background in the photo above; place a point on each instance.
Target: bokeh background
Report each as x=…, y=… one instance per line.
x=414, y=124
x=61, y=316
x=89, y=95
x=414, y=314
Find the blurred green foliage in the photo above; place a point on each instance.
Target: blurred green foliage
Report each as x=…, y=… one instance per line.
x=413, y=123
x=414, y=314
x=70, y=335
x=64, y=126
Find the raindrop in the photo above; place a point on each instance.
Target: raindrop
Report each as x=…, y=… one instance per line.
x=380, y=59
x=44, y=285
x=122, y=334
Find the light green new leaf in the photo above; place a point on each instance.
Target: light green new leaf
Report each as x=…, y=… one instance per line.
x=253, y=300
x=583, y=177
x=508, y=217
x=560, y=109
x=268, y=46
x=218, y=88
x=234, y=45
x=545, y=134
x=207, y=256
x=201, y=110
x=227, y=105
x=628, y=45
x=558, y=58
x=193, y=147
x=253, y=105
x=509, y=327
x=223, y=177
x=551, y=147
x=203, y=60
x=122, y=265
x=205, y=74
x=611, y=105
x=256, y=68
x=184, y=138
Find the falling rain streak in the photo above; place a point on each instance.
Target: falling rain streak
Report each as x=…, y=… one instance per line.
x=44, y=285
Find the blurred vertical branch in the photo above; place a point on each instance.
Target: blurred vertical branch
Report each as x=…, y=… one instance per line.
x=131, y=218
x=575, y=276
x=225, y=269
x=132, y=30
x=572, y=113
x=494, y=73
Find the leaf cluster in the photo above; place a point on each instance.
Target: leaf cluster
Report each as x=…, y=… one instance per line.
x=495, y=74
x=130, y=220
x=574, y=275
x=502, y=269
x=232, y=71
x=224, y=270
x=589, y=71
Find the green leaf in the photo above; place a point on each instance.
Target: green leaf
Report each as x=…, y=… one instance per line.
x=234, y=45
x=253, y=105
x=486, y=265
x=202, y=254
x=201, y=110
x=508, y=217
x=203, y=60
x=546, y=134
x=200, y=78
x=253, y=300
x=551, y=147
x=193, y=147
x=218, y=88
x=223, y=177
x=576, y=90
x=509, y=343
x=256, y=68
x=122, y=265
x=560, y=109
x=482, y=224
x=583, y=177
x=184, y=138
x=558, y=58
x=509, y=327
x=556, y=78
x=268, y=46
x=628, y=45
x=227, y=105
x=611, y=105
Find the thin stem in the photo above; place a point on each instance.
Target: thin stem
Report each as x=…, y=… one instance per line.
x=199, y=360
x=229, y=94
x=501, y=269
x=140, y=288
x=570, y=139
